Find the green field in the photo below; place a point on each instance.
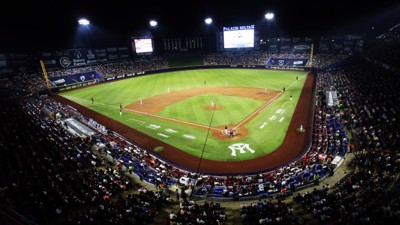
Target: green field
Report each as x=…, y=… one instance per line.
x=235, y=109
x=267, y=129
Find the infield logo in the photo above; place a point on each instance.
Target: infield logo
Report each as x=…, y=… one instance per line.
x=241, y=147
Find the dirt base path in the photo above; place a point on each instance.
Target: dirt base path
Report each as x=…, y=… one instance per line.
x=293, y=146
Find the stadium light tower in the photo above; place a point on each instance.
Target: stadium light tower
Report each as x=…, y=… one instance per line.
x=269, y=16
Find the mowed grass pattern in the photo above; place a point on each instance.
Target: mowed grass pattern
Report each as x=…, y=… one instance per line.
x=267, y=129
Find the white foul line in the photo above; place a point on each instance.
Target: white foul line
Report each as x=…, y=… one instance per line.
x=153, y=115
x=171, y=119
x=259, y=110
x=136, y=120
x=295, y=81
x=96, y=103
x=262, y=108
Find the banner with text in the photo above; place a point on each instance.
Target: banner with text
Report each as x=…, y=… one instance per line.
x=276, y=62
x=75, y=78
x=83, y=57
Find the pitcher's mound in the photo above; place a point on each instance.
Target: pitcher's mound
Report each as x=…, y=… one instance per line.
x=209, y=107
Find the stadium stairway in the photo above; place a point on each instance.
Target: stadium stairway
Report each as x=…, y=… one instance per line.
x=162, y=216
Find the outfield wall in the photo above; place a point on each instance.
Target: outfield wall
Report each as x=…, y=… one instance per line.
x=129, y=75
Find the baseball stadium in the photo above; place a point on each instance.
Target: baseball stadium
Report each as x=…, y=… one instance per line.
x=185, y=122
x=236, y=121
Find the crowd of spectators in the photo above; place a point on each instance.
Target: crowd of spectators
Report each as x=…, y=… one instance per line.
x=268, y=212
x=392, y=35
x=69, y=71
x=252, y=58
x=386, y=50
x=131, y=67
x=387, y=54
x=30, y=83
x=192, y=213
x=369, y=195
x=322, y=61
x=50, y=174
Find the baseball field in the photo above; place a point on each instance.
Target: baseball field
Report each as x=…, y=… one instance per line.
x=181, y=116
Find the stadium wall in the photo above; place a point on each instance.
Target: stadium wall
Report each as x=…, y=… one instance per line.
x=105, y=79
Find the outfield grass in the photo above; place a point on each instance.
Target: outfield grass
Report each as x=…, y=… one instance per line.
x=267, y=129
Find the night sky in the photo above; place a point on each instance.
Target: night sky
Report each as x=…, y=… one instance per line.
x=34, y=26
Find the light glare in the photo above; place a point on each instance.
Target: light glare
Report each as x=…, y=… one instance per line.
x=84, y=22
x=208, y=21
x=153, y=23
x=269, y=16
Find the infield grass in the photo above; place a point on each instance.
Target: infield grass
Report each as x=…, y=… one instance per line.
x=267, y=129
x=233, y=111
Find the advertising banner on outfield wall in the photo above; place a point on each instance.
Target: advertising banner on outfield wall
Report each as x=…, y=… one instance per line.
x=276, y=62
x=75, y=78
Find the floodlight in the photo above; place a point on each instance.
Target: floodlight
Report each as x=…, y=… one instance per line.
x=153, y=23
x=84, y=22
x=269, y=16
x=208, y=20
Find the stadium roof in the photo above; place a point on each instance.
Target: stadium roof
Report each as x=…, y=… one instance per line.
x=39, y=25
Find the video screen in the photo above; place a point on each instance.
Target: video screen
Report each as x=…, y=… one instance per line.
x=239, y=37
x=143, y=45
